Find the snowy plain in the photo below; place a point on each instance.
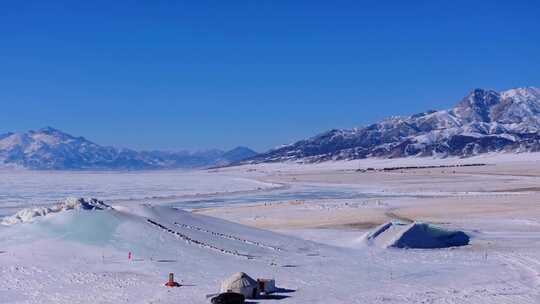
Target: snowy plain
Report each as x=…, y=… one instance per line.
x=310, y=243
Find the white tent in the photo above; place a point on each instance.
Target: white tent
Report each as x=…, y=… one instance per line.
x=240, y=283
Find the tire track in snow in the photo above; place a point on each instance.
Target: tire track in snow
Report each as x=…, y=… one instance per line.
x=529, y=264
x=228, y=236
x=192, y=241
x=524, y=288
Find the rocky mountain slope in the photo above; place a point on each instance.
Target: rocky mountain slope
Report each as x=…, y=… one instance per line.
x=52, y=149
x=483, y=121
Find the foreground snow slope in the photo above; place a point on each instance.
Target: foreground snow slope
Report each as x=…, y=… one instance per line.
x=81, y=256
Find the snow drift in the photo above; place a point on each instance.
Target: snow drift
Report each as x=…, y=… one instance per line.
x=29, y=214
x=415, y=235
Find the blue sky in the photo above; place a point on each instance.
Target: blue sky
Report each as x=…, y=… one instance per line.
x=204, y=74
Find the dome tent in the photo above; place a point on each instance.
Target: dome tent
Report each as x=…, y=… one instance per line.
x=240, y=283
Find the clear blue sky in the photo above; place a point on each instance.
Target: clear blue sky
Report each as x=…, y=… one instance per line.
x=202, y=74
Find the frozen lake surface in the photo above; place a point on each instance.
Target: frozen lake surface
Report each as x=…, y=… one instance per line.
x=181, y=189
x=32, y=188
x=297, y=192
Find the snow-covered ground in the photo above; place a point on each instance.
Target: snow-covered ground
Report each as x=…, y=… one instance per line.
x=81, y=256
x=486, y=158
x=309, y=236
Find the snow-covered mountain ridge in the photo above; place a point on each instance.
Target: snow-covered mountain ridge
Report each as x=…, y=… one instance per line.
x=52, y=149
x=483, y=121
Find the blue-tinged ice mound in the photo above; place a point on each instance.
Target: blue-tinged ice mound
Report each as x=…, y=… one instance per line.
x=29, y=214
x=415, y=235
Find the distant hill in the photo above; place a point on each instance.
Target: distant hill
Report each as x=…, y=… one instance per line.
x=483, y=121
x=52, y=149
x=238, y=154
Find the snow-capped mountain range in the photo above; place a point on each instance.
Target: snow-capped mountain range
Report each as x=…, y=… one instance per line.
x=483, y=121
x=52, y=149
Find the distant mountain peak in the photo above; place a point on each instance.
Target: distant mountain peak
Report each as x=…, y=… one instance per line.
x=238, y=154
x=50, y=148
x=48, y=130
x=481, y=98
x=241, y=148
x=483, y=121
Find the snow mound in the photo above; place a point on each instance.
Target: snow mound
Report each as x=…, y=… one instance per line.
x=415, y=235
x=72, y=203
